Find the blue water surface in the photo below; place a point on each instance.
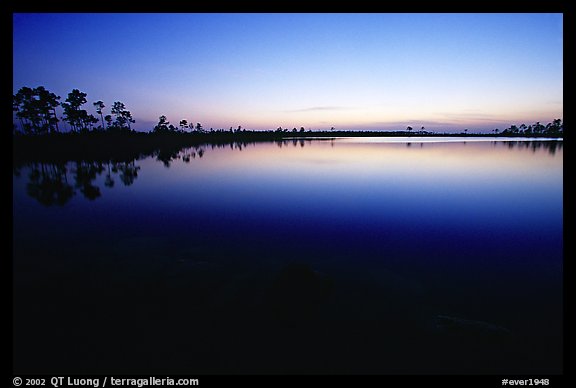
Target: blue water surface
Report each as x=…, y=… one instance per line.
x=471, y=229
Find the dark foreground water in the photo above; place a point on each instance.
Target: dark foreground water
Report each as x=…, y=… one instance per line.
x=433, y=256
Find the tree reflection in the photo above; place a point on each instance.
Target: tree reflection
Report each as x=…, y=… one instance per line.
x=535, y=145
x=128, y=172
x=553, y=146
x=84, y=174
x=166, y=156
x=109, y=182
x=48, y=180
x=48, y=184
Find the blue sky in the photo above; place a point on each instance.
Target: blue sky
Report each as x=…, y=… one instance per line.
x=445, y=72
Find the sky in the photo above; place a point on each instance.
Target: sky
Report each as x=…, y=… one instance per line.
x=444, y=72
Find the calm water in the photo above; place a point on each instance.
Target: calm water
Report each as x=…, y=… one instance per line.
x=360, y=255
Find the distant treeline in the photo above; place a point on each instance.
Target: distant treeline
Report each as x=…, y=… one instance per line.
x=35, y=111
x=553, y=129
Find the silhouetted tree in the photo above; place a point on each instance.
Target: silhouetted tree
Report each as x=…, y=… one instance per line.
x=554, y=128
x=162, y=125
x=538, y=128
x=123, y=116
x=29, y=109
x=47, y=103
x=183, y=124
x=523, y=128
x=20, y=102
x=128, y=117
x=199, y=128
x=79, y=119
x=409, y=128
x=88, y=120
x=99, y=106
x=557, y=127
x=108, y=120
x=36, y=109
x=72, y=109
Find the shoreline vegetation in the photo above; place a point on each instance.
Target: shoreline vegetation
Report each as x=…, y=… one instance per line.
x=38, y=135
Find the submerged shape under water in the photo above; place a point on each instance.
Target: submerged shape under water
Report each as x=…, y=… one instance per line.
x=301, y=256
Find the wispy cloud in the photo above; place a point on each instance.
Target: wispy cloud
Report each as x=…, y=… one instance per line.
x=318, y=109
x=412, y=122
x=470, y=116
x=554, y=102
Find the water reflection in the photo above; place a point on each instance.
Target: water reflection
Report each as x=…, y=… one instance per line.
x=50, y=183
x=57, y=183
x=550, y=146
x=295, y=142
x=128, y=172
x=374, y=258
x=167, y=156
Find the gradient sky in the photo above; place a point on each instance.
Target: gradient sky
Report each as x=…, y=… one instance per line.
x=445, y=72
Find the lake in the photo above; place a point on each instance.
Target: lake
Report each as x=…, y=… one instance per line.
x=345, y=255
